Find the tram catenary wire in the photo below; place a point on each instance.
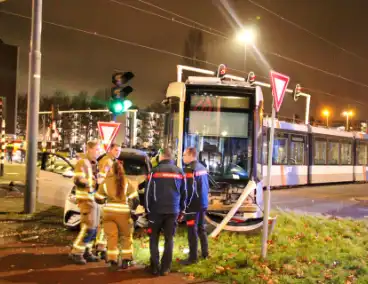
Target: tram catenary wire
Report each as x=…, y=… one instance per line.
x=211, y=30
x=100, y=35
x=307, y=31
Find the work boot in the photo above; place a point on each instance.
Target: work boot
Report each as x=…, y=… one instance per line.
x=102, y=255
x=77, y=259
x=165, y=273
x=124, y=263
x=89, y=257
x=152, y=270
x=186, y=262
x=113, y=266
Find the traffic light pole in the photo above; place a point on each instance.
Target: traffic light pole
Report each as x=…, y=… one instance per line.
x=34, y=78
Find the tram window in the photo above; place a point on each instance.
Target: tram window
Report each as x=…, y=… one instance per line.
x=333, y=153
x=345, y=154
x=297, y=149
x=320, y=152
x=280, y=150
x=362, y=154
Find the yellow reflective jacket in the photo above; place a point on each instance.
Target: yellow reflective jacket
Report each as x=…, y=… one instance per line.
x=85, y=179
x=107, y=193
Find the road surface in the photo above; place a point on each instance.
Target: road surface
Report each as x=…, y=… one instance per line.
x=343, y=200
x=339, y=200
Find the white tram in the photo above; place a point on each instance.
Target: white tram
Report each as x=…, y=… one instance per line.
x=307, y=155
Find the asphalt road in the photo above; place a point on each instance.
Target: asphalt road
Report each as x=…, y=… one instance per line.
x=340, y=200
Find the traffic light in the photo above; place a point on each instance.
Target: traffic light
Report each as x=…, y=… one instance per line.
x=118, y=102
x=297, y=91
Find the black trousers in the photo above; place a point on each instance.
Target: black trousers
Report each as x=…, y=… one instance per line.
x=196, y=224
x=167, y=223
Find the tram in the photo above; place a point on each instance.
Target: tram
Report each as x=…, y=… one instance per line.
x=221, y=116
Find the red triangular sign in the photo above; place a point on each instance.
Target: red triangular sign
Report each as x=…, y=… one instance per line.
x=279, y=83
x=108, y=131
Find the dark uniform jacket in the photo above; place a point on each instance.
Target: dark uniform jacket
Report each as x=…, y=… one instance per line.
x=197, y=186
x=166, y=191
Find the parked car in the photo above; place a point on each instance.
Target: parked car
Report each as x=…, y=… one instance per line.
x=56, y=186
x=136, y=165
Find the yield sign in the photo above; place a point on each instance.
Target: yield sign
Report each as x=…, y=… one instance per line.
x=279, y=83
x=108, y=131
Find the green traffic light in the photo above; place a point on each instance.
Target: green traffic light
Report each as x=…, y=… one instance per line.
x=118, y=107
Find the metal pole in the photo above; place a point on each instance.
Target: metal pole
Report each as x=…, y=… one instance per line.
x=347, y=122
x=267, y=196
x=2, y=147
x=34, y=78
x=245, y=58
x=327, y=120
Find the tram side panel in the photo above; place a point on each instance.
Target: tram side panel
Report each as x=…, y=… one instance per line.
x=361, y=157
x=332, y=156
x=289, y=159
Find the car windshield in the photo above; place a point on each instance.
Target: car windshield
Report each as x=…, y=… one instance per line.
x=134, y=167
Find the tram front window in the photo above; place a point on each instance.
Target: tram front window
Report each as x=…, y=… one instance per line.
x=219, y=128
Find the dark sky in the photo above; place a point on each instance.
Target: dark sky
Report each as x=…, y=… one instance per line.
x=75, y=61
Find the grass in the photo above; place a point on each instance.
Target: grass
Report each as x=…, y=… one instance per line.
x=302, y=249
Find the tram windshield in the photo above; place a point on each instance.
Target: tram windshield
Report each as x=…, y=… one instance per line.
x=219, y=126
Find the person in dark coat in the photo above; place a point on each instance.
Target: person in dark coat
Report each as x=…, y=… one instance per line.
x=165, y=203
x=198, y=188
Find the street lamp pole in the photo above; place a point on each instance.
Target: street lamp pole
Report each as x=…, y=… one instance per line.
x=34, y=79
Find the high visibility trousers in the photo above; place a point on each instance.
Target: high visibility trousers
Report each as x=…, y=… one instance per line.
x=101, y=237
x=90, y=218
x=118, y=225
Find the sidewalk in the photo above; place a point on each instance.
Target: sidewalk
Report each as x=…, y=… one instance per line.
x=45, y=264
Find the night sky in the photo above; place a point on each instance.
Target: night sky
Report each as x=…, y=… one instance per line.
x=75, y=61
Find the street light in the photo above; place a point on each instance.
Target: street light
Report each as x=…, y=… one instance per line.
x=246, y=36
x=347, y=114
x=326, y=113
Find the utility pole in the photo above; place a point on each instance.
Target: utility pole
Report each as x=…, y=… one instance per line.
x=34, y=80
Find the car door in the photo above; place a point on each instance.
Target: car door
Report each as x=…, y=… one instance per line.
x=54, y=180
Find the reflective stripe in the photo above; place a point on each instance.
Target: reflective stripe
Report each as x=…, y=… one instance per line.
x=80, y=174
x=118, y=205
x=89, y=245
x=126, y=251
x=105, y=188
x=102, y=175
x=79, y=247
x=147, y=193
x=79, y=238
x=197, y=174
x=99, y=196
x=134, y=194
x=79, y=194
x=168, y=175
x=115, y=209
x=114, y=252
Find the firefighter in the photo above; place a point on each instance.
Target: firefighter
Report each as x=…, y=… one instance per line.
x=117, y=193
x=85, y=180
x=198, y=187
x=165, y=199
x=104, y=166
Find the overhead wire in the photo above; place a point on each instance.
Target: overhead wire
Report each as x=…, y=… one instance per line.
x=222, y=35
x=308, y=31
x=100, y=35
